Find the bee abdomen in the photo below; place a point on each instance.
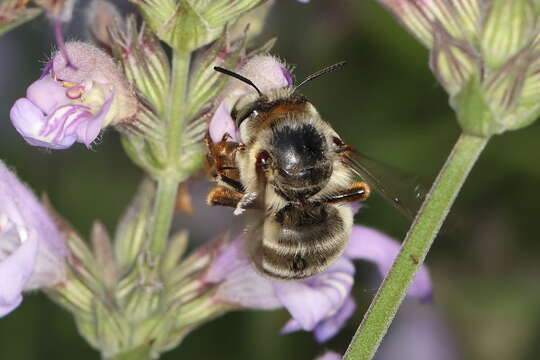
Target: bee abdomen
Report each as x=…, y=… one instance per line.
x=304, y=241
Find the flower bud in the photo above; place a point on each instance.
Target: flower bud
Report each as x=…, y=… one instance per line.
x=101, y=15
x=266, y=72
x=507, y=28
x=190, y=24
x=485, y=54
x=68, y=105
x=453, y=62
x=133, y=226
x=14, y=13
x=58, y=10
x=143, y=59
x=508, y=99
x=104, y=254
x=459, y=18
x=205, y=82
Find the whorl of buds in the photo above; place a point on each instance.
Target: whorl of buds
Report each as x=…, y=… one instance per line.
x=189, y=24
x=484, y=53
x=72, y=104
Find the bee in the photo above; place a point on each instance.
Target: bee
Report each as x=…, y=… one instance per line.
x=295, y=175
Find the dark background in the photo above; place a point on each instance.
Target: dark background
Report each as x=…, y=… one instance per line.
x=485, y=266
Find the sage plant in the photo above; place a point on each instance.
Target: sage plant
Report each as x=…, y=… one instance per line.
x=139, y=293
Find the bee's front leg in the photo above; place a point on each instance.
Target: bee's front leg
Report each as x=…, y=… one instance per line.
x=224, y=196
x=357, y=191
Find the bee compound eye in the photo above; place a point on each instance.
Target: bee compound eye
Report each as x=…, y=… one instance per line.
x=264, y=159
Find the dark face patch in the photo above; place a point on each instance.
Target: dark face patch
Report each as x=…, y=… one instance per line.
x=298, y=148
x=300, y=158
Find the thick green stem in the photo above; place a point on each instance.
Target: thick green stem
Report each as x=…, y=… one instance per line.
x=415, y=247
x=163, y=213
x=176, y=104
x=170, y=177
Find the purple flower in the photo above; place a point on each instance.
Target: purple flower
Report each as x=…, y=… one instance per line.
x=32, y=250
x=321, y=303
x=68, y=105
x=329, y=355
x=419, y=332
x=266, y=72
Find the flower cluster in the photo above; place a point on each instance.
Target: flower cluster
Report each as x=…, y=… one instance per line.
x=67, y=105
x=32, y=250
x=485, y=54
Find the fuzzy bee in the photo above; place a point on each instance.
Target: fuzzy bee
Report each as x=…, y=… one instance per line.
x=294, y=174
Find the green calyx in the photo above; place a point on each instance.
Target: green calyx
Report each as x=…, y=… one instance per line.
x=189, y=24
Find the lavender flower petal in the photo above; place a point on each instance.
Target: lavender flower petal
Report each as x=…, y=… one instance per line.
x=312, y=300
x=267, y=72
x=32, y=251
x=222, y=123
x=15, y=272
x=47, y=94
x=29, y=120
x=329, y=327
x=88, y=130
x=372, y=245
x=239, y=283
x=329, y=355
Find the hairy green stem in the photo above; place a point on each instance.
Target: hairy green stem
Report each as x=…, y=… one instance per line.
x=415, y=247
x=171, y=176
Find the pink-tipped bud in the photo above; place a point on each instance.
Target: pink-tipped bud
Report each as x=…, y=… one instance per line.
x=266, y=72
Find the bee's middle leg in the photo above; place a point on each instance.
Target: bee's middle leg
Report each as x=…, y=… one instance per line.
x=222, y=196
x=357, y=191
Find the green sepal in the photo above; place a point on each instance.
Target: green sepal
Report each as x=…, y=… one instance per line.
x=131, y=232
x=508, y=27
x=176, y=248
x=141, y=352
x=144, y=61
x=112, y=329
x=190, y=24
x=473, y=110
x=205, y=82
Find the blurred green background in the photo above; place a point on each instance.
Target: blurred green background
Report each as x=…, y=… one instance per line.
x=485, y=266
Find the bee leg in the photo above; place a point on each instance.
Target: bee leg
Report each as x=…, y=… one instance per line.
x=358, y=191
x=235, y=184
x=223, y=196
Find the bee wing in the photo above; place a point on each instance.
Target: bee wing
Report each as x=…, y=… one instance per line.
x=403, y=191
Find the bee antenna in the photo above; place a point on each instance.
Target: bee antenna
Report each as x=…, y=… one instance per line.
x=239, y=77
x=322, y=72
